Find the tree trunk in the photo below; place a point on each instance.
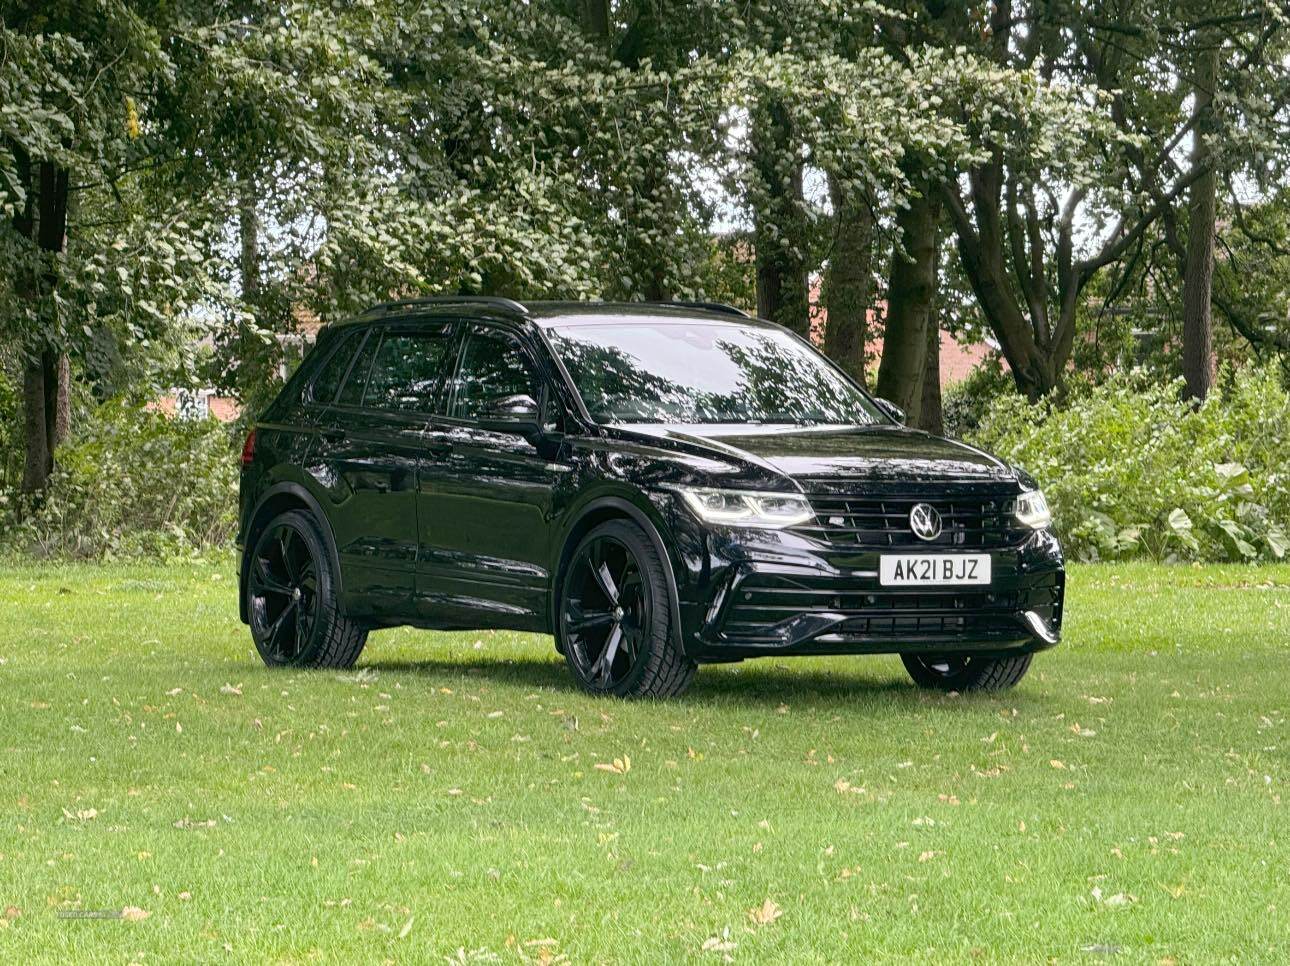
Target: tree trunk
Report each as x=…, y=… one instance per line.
x=38, y=462
x=255, y=360
x=1198, y=274
x=63, y=400
x=649, y=211
x=248, y=223
x=847, y=283
x=594, y=15
x=931, y=416
x=779, y=229
x=910, y=294
x=45, y=411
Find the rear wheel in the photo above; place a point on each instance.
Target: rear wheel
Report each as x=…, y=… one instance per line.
x=964, y=672
x=615, y=621
x=291, y=598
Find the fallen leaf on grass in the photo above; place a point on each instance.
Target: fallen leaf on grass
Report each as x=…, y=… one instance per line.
x=719, y=944
x=82, y=814
x=1119, y=900
x=407, y=928
x=188, y=823
x=766, y=913
x=619, y=766
x=230, y=689
x=134, y=914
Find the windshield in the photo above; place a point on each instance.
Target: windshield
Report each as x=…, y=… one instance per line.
x=706, y=372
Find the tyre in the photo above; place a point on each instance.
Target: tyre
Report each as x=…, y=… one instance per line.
x=291, y=598
x=962, y=672
x=615, y=617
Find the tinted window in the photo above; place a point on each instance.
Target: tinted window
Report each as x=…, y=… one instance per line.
x=333, y=369
x=492, y=367
x=352, y=393
x=706, y=372
x=407, y=370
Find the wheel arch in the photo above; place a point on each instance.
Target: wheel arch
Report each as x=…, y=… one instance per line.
x=602, y=510
x=278, y=499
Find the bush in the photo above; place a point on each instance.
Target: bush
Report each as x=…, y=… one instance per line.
x=1132, y=469
x=130, y=481
x=966, y=403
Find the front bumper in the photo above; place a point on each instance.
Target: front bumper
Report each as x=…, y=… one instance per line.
x=756, y=593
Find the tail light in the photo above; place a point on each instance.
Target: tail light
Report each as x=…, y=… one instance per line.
x=248, y=449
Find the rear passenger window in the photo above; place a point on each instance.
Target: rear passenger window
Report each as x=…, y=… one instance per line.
x=406, y=374
x=327, y=381
x=352, y=392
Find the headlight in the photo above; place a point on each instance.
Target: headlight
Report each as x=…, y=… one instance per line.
x=740, y=508
x=1031, y=510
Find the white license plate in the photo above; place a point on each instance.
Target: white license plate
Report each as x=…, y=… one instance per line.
x=933, y=569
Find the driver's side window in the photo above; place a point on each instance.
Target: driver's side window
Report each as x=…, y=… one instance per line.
x=493, y=367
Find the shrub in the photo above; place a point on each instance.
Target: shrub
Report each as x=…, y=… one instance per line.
x=131, y=481
x=1131, y=468
x=966, y=403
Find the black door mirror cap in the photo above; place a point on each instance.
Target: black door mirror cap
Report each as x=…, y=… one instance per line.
x=511, y=414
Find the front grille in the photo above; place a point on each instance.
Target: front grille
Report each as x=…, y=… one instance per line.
x=866, y=521
x=765, y=607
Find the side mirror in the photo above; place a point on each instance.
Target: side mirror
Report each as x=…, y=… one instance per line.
x=511, y=414
x=891, y=409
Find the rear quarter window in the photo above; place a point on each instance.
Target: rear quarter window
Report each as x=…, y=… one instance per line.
x=327, y=383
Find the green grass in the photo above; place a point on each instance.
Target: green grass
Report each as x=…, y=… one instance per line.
x=446, y=801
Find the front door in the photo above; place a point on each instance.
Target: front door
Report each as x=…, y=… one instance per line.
x=370, y=443
x=486, y=496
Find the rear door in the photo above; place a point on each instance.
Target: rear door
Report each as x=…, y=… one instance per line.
x=370, y=443
x=486, y=497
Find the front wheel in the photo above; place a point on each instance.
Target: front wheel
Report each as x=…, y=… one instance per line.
x=615, y=620
x=295, y=617
x=953, y=672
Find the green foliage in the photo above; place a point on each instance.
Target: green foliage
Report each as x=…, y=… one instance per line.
x=965, y=403
x=1132, y=469
x=131, y=481
x=10, y=430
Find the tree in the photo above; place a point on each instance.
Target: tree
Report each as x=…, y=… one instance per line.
x=66, y=78
x=848, y=282
x=1198, y=270
x=1017, y=224
x=911, y=297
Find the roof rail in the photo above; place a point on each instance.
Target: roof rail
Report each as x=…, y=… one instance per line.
x=709, y=306
x=495, y=301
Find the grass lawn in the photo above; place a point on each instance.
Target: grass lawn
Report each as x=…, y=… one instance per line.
x=456, y=798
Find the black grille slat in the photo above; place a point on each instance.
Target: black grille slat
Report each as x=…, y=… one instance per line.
x=859, y=521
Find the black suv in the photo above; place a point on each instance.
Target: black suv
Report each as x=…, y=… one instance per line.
x=656, y=485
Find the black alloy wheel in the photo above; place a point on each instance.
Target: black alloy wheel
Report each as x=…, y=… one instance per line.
x=965, y=672
x=291, y=602
x=615, y=619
